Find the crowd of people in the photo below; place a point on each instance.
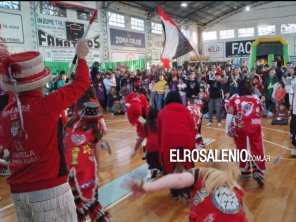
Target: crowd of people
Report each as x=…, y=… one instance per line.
x=212, y=84
x=52, y=131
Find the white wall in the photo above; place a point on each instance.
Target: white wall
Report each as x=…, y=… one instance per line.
x=152, y=51
x=6, y=17
x=274, y=13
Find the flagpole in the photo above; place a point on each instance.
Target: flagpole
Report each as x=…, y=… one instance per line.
x=92, y=18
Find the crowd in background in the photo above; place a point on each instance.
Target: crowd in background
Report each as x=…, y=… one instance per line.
x=213, y=84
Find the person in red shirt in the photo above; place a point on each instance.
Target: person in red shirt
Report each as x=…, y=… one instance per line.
x=279, y=95
x=216, y=196
x=38, y=180
x=152, y=145
x=195, y=107
x=137, y=109
x=243, y=123
x=176, y=130
x=82, y=146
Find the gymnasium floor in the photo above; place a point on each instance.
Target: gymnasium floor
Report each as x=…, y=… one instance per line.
x=276, y=201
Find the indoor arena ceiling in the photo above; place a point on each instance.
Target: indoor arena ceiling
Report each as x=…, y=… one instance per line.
x=201, y=12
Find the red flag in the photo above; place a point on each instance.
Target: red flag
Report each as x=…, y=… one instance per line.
x=176, y=44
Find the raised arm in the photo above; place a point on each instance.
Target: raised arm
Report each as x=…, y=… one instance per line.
x=58, y=101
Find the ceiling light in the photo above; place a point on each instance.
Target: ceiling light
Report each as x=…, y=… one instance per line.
x=248, y=8
x=184, y=4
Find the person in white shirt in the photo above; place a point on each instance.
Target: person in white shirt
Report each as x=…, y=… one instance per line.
x=109, y=81
x=182, y=90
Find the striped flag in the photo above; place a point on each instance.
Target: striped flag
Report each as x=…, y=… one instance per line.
x=176, y=44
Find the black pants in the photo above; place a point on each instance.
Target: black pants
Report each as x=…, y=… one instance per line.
x=287, y=102
x=153, y=161
x=293, y=129
x=270, y=105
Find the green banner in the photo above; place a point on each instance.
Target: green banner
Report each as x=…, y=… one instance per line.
x=270, y=59
x=56, y=67
x=286, y=54
x=133, y=65
x=252, y=57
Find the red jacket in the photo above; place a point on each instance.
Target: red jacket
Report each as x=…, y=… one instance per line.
x=138, y=104
x=37, y=163
x=175, y=128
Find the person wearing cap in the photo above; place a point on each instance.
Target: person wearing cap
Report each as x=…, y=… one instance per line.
x=38, y=180
x=82, y=146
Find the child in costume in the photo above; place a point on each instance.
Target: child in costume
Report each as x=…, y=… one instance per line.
x=243, y=123
x=137, y=110
x=81, y=141
x=152, y=145
x=90, y=96
x=195, y=107
x=215, y=196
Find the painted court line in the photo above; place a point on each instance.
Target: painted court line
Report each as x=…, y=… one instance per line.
x=276, y=144
x=6, y=207
x=112, y=192
x=117, y=130
x=281, y=131
x=263, y=127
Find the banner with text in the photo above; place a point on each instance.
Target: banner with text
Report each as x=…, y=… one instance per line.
x=239, y=48
x=67, y=55
x=127, y=39
x=11, y=28
x=46, y=39
x=214, y=50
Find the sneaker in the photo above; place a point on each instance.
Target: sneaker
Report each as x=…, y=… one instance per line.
x=219, y=124
x=205, y=116
x=293, y=152
x=144, y=156
x=203, y=145
x=245, y=175
x=154, y=173
x=105, y=146
x=259, y=179
x=5, y=172
x=209, y=124
x=148, y=175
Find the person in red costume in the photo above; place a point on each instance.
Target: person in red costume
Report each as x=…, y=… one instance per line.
x=82, y=137
x=176, y=130
x=137, y=108
x=38, y=181
x=90, y=96
x=216, y=196
x=195, y=107
x=243, y=123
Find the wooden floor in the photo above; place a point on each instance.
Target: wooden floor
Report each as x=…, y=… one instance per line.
x=273, y=203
